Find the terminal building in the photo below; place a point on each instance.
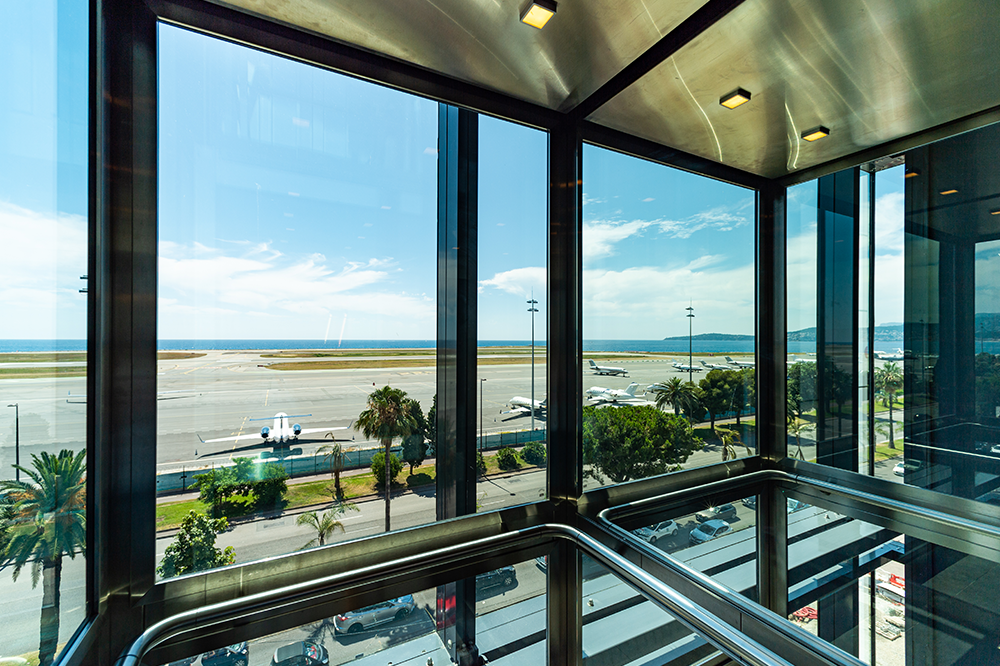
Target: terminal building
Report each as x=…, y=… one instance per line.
x=365, y=223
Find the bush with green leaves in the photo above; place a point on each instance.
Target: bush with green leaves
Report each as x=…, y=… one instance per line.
x=534, y=454
x=507, y=458
x=378, y=467
x=193, y=549
x=242, y=488
x=480, y=463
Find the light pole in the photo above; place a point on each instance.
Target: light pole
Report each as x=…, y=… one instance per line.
x=690, y=316
x=17, y=441
x=482, y=437
x=532, y=309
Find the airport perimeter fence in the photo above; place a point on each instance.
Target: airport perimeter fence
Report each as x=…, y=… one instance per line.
x=354, y=458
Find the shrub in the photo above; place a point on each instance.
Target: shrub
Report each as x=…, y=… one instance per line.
x=507, y=458
x=237, y=505
x=378, y=467
x=534, y=453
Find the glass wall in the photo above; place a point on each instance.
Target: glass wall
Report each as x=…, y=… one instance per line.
x=43, y=350
x=297, y=303
x=512, y=313
x=668, y=319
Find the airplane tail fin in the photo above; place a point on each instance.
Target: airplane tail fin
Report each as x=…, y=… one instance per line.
x=729, y=360
x=592, y=364
x=632, y=388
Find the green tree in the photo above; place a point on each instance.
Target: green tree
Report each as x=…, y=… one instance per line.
x=48, y=520
x=796, y=429
x=681, y=395
x=334, y=455
x=432, y=427
x=534, y=453
x=801, y=388
x=634, y=442
x=718, y=390
x=415, y=444
x=507, y=458
x=378, y=467
x=193, y=549
x=325, y=524
x=888, y=384
x=386, y=418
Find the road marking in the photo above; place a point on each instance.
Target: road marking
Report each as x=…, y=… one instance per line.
x=266, y=396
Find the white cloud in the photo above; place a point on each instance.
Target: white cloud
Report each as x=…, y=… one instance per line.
x=889, y=223
x=719, y=219
x=519, y=281
x=600, y=237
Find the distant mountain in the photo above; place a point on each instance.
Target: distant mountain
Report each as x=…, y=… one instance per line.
x=890, y=333
x=713, y=337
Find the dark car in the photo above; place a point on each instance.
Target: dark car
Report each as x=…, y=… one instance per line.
x=721, y=512
x=502, y=577
x=303, y=653
x=231, y=655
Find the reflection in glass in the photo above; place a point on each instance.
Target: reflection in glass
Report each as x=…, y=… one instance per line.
x=512, y=236
x=43, y=353
x=296, y=309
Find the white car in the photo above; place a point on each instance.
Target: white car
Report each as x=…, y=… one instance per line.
x=653, y=533
x=902, y=468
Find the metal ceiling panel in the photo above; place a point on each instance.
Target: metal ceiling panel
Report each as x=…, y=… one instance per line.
x=483, y=41
x=870, y=70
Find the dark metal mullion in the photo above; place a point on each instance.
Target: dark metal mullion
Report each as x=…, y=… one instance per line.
x=457, y=472
x=870, y=342
x=565, y=387
x=772, y=439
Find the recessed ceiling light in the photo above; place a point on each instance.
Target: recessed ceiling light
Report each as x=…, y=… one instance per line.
x=815, y=133
x=538, y=12
x=912, y=173
x=995, y=211
x=948, y=191
x=735, y=98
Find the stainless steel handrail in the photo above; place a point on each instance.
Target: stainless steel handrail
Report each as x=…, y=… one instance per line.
x=726, y=638
x=807, y=641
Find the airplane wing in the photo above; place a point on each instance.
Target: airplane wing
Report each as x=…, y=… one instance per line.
x=249, y=435
x=306, y=431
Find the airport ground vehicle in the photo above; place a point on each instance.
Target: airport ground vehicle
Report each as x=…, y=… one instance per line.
x=302, y=653
x=653, y=533
x=371, y=616
x=721, y=512
x=708, y=531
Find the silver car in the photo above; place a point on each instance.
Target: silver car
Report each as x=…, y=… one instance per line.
x=708, y=530
x=653, y=533
x=374, y=615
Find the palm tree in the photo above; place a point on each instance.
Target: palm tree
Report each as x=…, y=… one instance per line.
x=796, y=429
x=729, y=441
x=325, y=524
x=334, y=455
x=681, y=395
x=50, y=520
x=386, y=418
x=889, y=382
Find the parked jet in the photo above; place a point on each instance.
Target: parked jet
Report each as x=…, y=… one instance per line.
x=601, y=394
x=279, y=432
x=897, y=355
x=716, y=366
x=740, y=364
x=521, y=405
x=686, y=368
x=607, y=369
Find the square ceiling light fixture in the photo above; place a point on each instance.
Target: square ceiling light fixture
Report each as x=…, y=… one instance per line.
x=815, y=133
x=538, y=12
x=734, y=99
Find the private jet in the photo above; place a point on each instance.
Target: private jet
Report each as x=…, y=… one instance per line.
x=684, y=367
x=279, y=432
x=897, y=355
x=716, y=366
x=521, y=405
x=607, y=369
x=740, y=364
x=601, y=394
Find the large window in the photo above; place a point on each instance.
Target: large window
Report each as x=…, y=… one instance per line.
x=296, y=313
x=668, y=319
x=43, y=350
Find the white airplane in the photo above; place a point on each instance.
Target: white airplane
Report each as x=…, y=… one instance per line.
x=716, y=366
x=741, y=364
x=607, y=369
x=521, y=405
x=686, y=368
x=599, y=393
x=897, y=355
x=280, y=432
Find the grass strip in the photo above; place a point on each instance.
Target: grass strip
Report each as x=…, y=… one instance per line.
x=177, y=356
x=44, y=371
x=43, y=357
x=391, y=363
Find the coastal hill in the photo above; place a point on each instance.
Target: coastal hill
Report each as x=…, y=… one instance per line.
x=713, y=337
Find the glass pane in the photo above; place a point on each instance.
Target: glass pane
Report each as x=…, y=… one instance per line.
x=513, y=235
x=668, y=319
x=297, y=282
x=43, y=354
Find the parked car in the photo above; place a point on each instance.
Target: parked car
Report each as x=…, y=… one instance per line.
x=902, y=468
x=303, y=653
x=750, y=502
x=708, y=530
x=231, y=655
x=721, y=512
x=502, y=577
x=653, y=533
x=374, y=615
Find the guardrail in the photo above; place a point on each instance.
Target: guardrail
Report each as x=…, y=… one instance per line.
x=724, y=637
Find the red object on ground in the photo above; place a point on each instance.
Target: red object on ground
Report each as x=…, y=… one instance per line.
x=807, y=613
x=898, y=581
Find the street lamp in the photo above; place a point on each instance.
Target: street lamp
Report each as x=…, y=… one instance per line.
x=17, y=441
x=690, y=316
x=532, y=309
x=482, y=437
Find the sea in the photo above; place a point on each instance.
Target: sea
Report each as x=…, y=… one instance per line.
x=675, y=346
